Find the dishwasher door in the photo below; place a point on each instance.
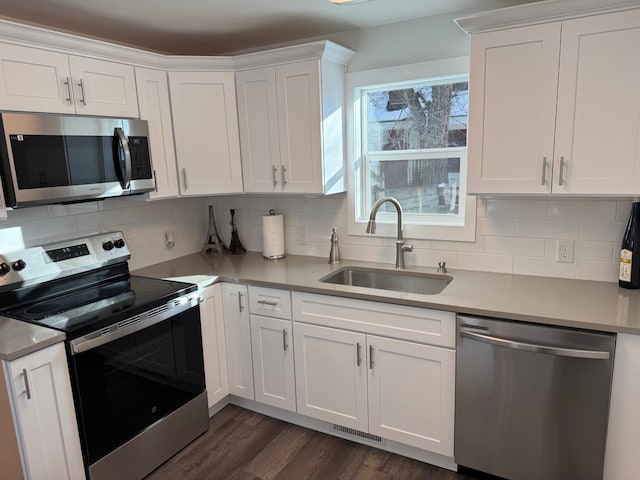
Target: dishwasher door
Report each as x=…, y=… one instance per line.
x=532, y=401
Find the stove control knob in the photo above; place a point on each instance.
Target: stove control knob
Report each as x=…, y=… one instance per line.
x=19, y=265
x=108, y=245
x=119, y=243
x=4, y=269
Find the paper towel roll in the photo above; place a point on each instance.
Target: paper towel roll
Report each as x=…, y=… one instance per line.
x=273, y=237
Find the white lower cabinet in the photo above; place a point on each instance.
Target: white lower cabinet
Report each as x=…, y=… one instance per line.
x=397, y=389
x=331, y=375
x=272, y=350
x=238, y=340
x=213, y=344
x=411, y=393
x=44, y=414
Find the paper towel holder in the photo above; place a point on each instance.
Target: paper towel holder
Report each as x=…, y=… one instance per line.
x=273, y=257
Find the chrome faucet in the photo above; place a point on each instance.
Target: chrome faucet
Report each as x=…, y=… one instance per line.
x=400, y=246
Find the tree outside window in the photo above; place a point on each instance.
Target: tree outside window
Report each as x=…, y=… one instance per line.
x=414, y=148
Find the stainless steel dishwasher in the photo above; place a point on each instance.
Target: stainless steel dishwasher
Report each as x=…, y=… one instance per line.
x=532, y=401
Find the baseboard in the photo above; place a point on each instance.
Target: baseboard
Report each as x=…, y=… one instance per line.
x=328, y=428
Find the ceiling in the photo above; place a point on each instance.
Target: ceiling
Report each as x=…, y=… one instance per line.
x=215, y=27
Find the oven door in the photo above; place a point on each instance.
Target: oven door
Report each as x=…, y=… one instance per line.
x=124, y=386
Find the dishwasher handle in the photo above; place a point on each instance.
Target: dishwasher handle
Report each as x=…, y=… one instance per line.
x=533, y=347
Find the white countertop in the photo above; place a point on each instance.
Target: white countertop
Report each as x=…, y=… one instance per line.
x=585, y=304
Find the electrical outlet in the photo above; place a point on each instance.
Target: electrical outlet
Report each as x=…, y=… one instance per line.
x=301, y=235
x=564, y=251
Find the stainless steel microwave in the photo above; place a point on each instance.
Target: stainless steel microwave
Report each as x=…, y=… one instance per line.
x=47, y=159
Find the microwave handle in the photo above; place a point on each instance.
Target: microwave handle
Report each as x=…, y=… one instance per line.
x=125, y=177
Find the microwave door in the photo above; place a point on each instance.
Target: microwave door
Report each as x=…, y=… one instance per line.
x=122, y=156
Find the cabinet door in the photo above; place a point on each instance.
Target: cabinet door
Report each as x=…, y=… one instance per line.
x=331, y=377
x=205, y=123
x=213, y=344
x=258, y=120
x=238, y=340
x=299, y=113
x=411, y=393
x=43, y=405
x=512, y=104
x=34, y=80
x=153, y=99
x=273, y=362
x=598, y=103
x=104, y=88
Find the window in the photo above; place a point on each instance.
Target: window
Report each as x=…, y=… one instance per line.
x=410, y=144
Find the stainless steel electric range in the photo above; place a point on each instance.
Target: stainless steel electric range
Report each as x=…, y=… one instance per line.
x=134, y=349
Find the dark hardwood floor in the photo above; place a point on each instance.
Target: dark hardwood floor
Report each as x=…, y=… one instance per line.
x=244, y=445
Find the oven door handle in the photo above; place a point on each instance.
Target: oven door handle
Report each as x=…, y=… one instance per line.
x=134, y=324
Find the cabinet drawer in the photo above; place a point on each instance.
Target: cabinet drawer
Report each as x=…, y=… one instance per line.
x=271, y=302
x=420, y=325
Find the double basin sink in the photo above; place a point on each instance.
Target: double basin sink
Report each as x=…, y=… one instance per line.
x=394, y=280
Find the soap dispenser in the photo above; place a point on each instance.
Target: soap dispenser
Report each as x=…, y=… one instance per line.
x=334, y=254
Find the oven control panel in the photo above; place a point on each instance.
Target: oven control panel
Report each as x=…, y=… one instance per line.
x=41, y=264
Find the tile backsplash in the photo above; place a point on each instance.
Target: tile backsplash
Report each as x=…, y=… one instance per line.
x=144, y=225
x=513, y=235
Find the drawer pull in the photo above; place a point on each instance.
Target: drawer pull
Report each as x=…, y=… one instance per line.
x=268, y=302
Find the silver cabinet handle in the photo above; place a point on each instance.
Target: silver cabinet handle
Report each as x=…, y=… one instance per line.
x=240, y=307
x=358, y=354
x=67, y=83
x=27, y=389
x=83, y=99
x=274, y=171
x=284, y=180
x=184, y=178
x=534, y=347
x=284, y=339
x=371, y=357
x=544, y=170
x=267, y=302
x=155, y=182
x=561, y=171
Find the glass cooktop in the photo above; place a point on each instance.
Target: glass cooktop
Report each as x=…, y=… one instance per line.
x=83, y=310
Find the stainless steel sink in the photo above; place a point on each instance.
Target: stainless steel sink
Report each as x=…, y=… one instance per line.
x=395, y=280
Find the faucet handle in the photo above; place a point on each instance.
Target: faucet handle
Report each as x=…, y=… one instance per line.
x=407, y=248
x=442, y=267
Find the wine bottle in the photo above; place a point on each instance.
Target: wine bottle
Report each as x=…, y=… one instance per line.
x=630, y=252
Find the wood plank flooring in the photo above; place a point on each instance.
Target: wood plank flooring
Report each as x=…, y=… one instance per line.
x=244, y=445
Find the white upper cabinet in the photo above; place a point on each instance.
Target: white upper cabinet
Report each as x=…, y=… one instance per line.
x=291, y=117
x=153, y=98
x=36, y=80
x=512, y=108
x=598, y=125
x=554, y=108
x=205, y=122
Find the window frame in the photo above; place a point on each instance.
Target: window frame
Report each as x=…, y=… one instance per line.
x=357, y=83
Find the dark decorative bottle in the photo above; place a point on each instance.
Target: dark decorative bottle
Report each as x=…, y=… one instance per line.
x=630, y=252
